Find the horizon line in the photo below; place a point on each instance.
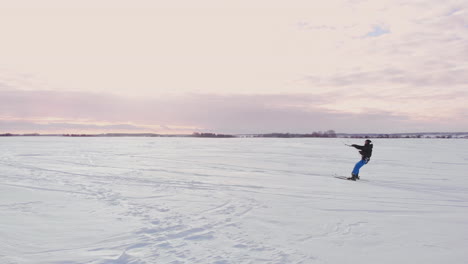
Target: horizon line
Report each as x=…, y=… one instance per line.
x=200, y=134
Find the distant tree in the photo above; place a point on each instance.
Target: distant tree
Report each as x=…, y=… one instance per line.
x=330, y=133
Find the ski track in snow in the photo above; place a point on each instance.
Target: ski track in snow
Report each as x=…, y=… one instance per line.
x=185, y=200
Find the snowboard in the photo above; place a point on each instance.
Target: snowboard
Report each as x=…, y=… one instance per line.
x=343, y=178
x=346, y=178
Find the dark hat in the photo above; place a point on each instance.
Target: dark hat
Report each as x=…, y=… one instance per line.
x=368, y=141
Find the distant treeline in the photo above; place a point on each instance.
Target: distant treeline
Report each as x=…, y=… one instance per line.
x=211, y=135
x=8, y=135
x=410, y=135
x=319, y=134
x=78, y=135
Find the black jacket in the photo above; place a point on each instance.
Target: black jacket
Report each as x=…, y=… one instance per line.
x=366, y=150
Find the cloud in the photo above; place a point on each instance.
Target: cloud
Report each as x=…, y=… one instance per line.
x=39, y=126
x=440, y=76
x=33, y=111
x=249, y=67
x=421, y=64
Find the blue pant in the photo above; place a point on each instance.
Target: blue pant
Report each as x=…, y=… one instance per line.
x=358, y=166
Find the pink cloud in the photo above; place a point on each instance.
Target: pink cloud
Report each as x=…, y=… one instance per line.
x=296, y=113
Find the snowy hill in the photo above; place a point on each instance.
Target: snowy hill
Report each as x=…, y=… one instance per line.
x=242, y=200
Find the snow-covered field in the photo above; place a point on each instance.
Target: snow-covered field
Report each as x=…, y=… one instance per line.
x=241, y=200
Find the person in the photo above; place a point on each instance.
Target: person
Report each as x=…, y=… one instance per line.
x=366, y=153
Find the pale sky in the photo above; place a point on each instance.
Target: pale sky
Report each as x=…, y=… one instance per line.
x=240, y=66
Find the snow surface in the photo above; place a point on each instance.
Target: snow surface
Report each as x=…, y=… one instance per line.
x=240, y=200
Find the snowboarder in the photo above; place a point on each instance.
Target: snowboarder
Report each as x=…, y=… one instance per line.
x=366, y=153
